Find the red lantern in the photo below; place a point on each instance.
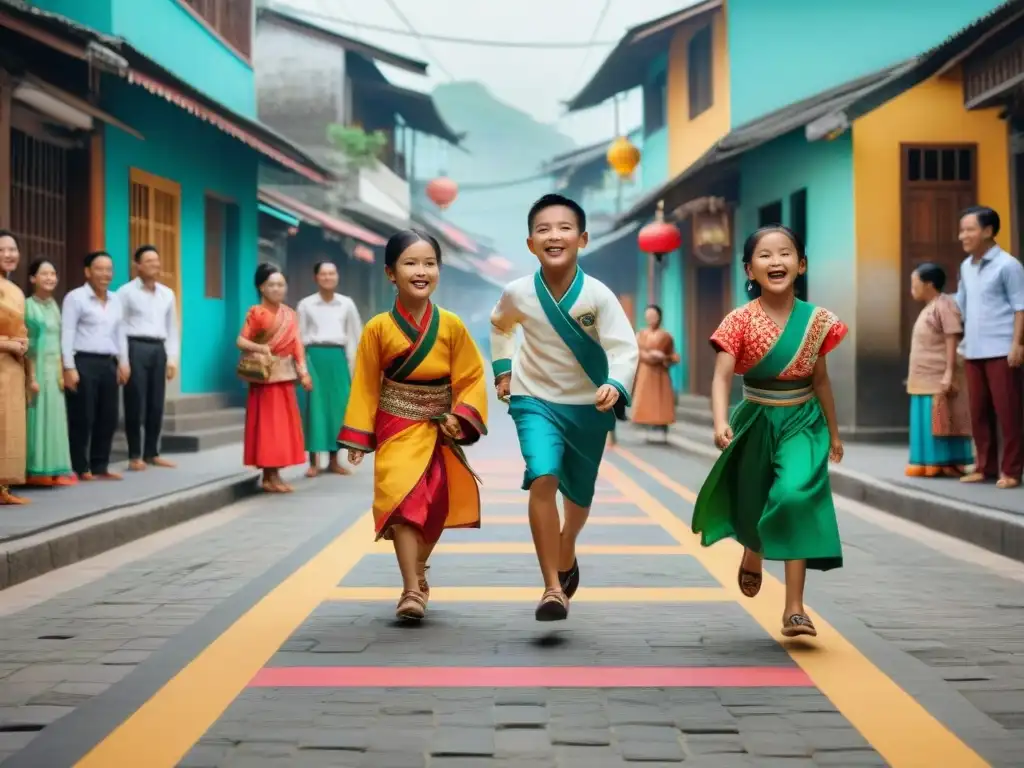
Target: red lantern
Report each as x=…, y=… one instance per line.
x=442, y=191
x=659, y=237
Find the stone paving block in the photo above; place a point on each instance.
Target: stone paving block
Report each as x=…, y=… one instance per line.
x=519, y=742
x=651, y=751
x=579, y=736
x=520, y=716
x=464, y=742
x=855, y=759
x=336, y=739
x=712, y=744
x=834, y=739
x=206, y=756
x=393, y=759
x=766, y=744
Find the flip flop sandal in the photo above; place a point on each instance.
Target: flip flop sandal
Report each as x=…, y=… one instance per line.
x=570, y=580
x=1007, y=482
x=553, y=606
x=749, y=581
x=411, y=606
x=797, y=625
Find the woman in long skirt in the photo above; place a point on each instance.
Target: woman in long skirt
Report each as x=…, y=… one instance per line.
x=940, y=415
x=329, y=328
x=13, y=346
x=770, y=487
x=273, y=427
x=49, y=456
x=654, y=402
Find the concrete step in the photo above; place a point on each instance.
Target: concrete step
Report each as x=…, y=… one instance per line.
x=188, y=405
x=192, y=441
x=190, y=422
x=700, y=416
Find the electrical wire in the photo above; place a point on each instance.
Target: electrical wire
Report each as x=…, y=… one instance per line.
x=593, y=36
x=419, y=39
x=483, y=43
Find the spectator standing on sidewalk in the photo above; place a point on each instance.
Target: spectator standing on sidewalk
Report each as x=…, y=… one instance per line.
x=991, y=299
x=95, y=354
x=13, y=346
x=151, y=325
x=940, y=419
x=654, y=402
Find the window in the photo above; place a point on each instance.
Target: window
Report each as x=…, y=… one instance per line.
x=230, y=19
x=655, y=95
x=214, y=237
x=154, y=218
x=938, y=164
x=798, y=214
x=770, y=214
x=699, y=71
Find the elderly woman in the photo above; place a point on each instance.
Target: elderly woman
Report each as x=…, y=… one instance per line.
x=13, y=346
x=940, y=443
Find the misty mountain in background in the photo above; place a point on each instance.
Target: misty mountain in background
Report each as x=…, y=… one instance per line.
x=504, y=144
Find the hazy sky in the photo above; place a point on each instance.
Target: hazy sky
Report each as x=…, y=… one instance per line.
x=534, y=80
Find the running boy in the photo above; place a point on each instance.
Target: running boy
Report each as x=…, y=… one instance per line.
x=569, y=381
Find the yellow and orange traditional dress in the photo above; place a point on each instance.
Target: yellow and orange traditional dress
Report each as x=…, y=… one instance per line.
x=12, y=391
x=409, y=376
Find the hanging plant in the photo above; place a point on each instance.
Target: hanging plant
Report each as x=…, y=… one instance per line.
x=360, y=148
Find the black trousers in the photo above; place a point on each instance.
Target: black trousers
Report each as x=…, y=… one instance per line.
x=92, y=412
x=144, y=397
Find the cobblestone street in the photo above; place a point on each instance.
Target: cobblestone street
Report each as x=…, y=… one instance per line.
x=263, y=635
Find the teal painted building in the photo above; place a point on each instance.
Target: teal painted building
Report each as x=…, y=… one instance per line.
x=186, y=177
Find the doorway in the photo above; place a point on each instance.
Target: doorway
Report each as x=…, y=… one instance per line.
x=938, y=182
x=709, y=303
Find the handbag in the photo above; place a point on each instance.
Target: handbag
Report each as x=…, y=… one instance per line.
x=254, y=368
x=944, y=417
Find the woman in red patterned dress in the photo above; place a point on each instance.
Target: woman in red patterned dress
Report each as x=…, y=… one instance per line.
x=770, y=487
x=273, y=427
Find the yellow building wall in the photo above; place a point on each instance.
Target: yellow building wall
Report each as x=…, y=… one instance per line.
x=689, y=139
x=931, y=112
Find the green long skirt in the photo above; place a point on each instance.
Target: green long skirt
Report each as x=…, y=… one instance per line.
x=770, y=488
x=324, y=407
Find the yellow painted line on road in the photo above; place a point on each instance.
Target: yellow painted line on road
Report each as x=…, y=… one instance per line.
x=533, y=594
x=161, y=732
x=526, y=548
x=903, y=732
x=524, y=498
x=592, y=520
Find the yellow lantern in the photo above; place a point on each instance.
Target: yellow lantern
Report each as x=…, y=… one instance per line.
x=623, y=157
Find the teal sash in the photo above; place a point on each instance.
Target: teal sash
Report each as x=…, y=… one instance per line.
x=588, y=352
x=786, y=347
x=403, y=366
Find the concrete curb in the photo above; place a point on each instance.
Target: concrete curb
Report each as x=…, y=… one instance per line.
x=991, y=529
x=30, y=556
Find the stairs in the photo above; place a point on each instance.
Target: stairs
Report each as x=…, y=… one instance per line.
x=694, y=409
x=194, y=423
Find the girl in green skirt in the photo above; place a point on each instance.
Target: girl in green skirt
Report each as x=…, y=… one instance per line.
x=770, y=488
x=48, y=459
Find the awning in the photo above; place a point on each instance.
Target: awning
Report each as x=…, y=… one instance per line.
x=801, y=114
x=116, y=56
x=317, y=218
x=280, y=214
x=417, y=109
x=374, y=219
x=62, y=106
x=628, y=65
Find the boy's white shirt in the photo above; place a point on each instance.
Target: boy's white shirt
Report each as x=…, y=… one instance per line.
x=543, y=366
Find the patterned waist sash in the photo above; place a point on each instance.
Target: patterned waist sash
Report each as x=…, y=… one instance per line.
x=777, y=393
x=419, y=401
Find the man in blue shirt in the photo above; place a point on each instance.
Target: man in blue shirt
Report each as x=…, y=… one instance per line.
x=991, y=298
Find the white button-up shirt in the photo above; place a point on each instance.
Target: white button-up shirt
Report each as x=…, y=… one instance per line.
x=151, y=315
x=90, y=325
x=334, y=322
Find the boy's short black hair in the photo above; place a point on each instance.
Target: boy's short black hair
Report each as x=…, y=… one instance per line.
x=550, y=201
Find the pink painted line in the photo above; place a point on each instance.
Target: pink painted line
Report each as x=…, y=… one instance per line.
x=530, y=677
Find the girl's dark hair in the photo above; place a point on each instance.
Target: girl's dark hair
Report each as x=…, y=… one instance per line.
x=400, y=241
x=8, y=233
x=264, y=272
x=656, y=308
x=931, y=273
x=320, y=265
x=800, y=285
x=37, y=264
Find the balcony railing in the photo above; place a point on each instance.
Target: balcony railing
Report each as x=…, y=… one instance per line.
x=231, y=20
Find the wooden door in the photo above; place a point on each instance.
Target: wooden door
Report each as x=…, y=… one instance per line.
x=938, y=182
x=154, y=216
x=711, y=304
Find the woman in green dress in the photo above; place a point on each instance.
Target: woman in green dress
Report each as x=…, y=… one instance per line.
x=49, y=458
x=770, y=488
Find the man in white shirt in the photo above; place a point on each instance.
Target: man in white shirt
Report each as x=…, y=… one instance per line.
x=329, y=326
x=151, y=326
x=94, y=351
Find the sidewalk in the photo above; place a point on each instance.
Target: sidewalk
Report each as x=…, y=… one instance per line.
x=980, y=514
x=67, y=524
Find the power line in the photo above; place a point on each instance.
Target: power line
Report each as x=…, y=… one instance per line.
x=593, y=36
x=419, y=38
x=483, y=43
